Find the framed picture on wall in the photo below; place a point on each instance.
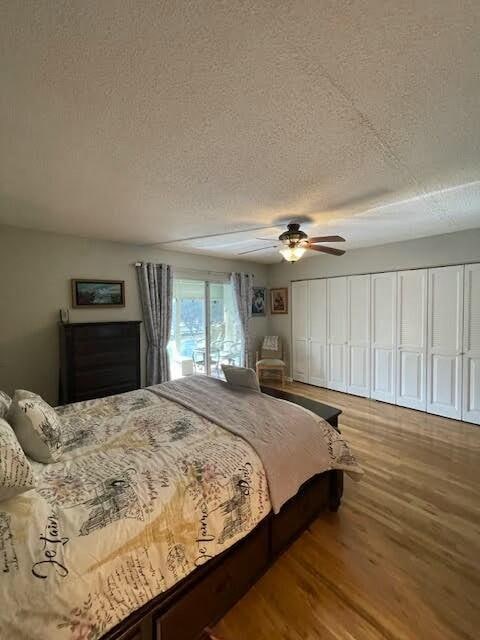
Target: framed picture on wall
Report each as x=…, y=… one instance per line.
x=279, y=300
x=98, y=293
x=259, y=301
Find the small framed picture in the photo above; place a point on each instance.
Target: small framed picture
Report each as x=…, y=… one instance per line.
x=98, y=293
x=279, y=300
x=259, y=301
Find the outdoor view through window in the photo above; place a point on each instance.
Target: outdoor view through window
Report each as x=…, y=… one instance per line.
x=205, y=330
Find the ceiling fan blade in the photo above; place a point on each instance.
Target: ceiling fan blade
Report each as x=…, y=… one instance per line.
x=327, y=239
x=331, y=250
x=214, y=235
x=261, y=249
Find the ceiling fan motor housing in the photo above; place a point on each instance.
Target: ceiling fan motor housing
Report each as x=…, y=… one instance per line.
x=293, y=236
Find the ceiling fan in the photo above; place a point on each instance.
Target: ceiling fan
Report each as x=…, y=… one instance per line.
x=295, y=242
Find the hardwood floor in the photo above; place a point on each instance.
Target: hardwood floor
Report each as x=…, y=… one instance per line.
x=401, y=558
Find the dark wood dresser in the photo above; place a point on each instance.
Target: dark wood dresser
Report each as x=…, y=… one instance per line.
x=98, y=359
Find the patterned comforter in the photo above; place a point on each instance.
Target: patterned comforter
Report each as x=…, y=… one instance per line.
x=146, y=492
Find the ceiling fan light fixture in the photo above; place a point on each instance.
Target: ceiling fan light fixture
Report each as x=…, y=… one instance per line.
x=292, y=235
x=292, y=254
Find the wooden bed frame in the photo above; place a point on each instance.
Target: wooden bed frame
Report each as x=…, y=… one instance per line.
x=205, y=595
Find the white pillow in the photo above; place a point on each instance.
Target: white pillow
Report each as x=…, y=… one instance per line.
x=22, y=394
x=16, y=475
x=5, y=402
x=241, y=377
x=37, y=426
x=19, y=394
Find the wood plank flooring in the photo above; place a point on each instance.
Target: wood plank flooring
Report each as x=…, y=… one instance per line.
x=401, y=558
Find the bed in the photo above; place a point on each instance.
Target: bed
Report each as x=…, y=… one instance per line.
x=154, y=523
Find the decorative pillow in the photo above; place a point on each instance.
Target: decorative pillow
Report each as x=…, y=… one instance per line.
x=16, y=475
x=5, y=402
x=37, y=426
x=23, y=394
x=20, y=394
x=241, y=377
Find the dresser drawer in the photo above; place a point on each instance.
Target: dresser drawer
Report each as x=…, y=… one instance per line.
x=104, y=331
x=102, y=392
x=101, y=377
x=104, y=359
x=217, y=591
x=98, y=359
x=107, y=344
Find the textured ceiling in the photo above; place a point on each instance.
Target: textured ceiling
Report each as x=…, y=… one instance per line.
x=152, y=121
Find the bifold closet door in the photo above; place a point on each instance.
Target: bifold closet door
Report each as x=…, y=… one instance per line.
x=317, y=322
x=358, y=349
x=412, y=338
x=445, y=333
x=383, y=354
x=471, y=345
x=337, y=333
x=300, y=331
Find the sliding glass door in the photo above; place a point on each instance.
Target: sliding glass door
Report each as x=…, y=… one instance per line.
x=205, y=330
x=188, y=325
x=225, y=340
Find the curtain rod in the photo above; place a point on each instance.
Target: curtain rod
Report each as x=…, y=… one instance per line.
x=176, y=268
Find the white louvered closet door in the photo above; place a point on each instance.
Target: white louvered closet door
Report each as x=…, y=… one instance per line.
x=317, y=321
x=358, y=350
x=300, y=331
x=337, y=333
x=412, y=338
x=445, y=340
x=471, y=345
x=383, y=336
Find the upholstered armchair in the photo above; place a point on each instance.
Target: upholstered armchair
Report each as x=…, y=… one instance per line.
x=270, y=358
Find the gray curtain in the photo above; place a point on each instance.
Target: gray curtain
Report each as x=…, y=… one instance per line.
x=155, y=285
x=242, y=288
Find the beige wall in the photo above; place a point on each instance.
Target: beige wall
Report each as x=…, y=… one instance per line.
x=452, y=248
x=35, y=270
